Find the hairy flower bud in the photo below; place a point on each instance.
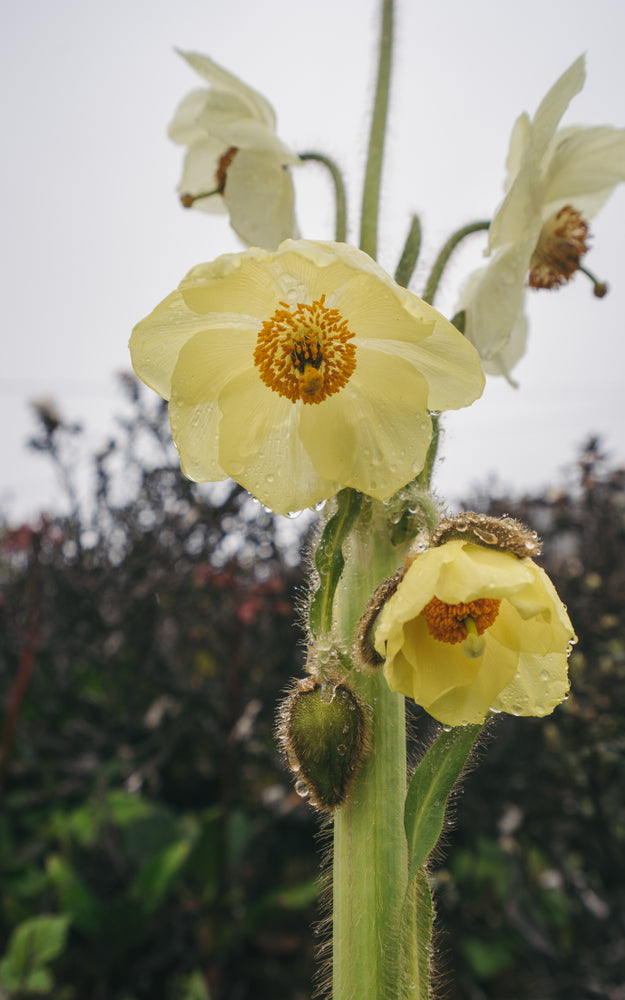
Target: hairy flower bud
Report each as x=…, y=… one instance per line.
x=323, y=731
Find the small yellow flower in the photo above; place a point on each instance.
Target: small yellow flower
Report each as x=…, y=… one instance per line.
x=472, y=629
x=556, y=181
x=235, y=162
x=302, y=371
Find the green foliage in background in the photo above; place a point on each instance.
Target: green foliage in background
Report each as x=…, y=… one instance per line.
x=151, y=844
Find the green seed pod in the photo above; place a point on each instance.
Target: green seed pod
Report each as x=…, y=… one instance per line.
x=323, y=731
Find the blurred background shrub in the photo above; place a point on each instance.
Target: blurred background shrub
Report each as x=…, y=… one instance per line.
x=151, y=844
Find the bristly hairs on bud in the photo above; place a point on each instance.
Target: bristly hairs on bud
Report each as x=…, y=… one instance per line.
x=501, y=533
x=324, y=733
x=366, y=656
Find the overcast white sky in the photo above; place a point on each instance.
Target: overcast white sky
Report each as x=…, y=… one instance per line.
x=94, y=236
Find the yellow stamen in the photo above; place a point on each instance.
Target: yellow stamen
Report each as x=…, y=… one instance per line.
x=560, y=247
x=304, y=353
x=452, y=622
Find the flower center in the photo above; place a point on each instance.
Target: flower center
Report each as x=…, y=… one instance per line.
x=454, y=622
x=303, y=353
x=560, y=247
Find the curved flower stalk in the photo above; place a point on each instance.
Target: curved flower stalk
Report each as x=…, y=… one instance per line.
x=235, y=162
x=556, y=181
x=302, y=371
x=476, y=627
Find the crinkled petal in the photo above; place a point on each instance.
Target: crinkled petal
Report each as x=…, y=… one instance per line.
x=260, y=199
x=260, y=447
x=585, y=166
x=374, y=434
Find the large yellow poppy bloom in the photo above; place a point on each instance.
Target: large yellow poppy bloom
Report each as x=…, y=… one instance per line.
x=302, y=371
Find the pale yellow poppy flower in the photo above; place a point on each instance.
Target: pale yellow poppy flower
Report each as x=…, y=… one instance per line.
x=556, y=181
x=302, y=371
x=472, y=630
x=235, y=162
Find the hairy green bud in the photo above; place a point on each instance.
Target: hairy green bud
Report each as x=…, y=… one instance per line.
x=323, y=731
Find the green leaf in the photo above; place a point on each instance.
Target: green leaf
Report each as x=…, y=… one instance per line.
x=329, y=559
x=33, y=944
x=195, y=988
x=155, y=877
x=430, y=788
x=75, y=897
x=417, y=917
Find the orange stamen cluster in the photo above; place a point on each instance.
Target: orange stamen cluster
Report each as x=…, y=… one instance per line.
x=446, y=622
x=561, y=245
x=304, y=353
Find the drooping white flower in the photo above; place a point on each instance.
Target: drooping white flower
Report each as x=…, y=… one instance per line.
x=235, y=162
x=556, y=181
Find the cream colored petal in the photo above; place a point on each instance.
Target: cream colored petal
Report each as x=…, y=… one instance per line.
x=259, y=196
x=374, y=434
x=504, y=361
x=256, y=282
x=184, y=128
x=520, y=211
x=210, y=360
x=156, y=341
x=478, y=572
x=470, y=704
x=518, y=144
x=199, y=174
x=205, y=365
x=553, y=106
x=234, y=283
x=246, y=133
x=492, y=299
x=451, y=366
x=453, y=688
x=585, y=166
x=221, y=79
x=376, y=308
x=428, y=669
x=195, y=430
x=260, y=447
x=540, y=683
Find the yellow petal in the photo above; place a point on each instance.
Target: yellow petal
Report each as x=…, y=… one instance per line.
x=205, y=365
x=260, y=447
x=374, y=434
x=156, y=341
